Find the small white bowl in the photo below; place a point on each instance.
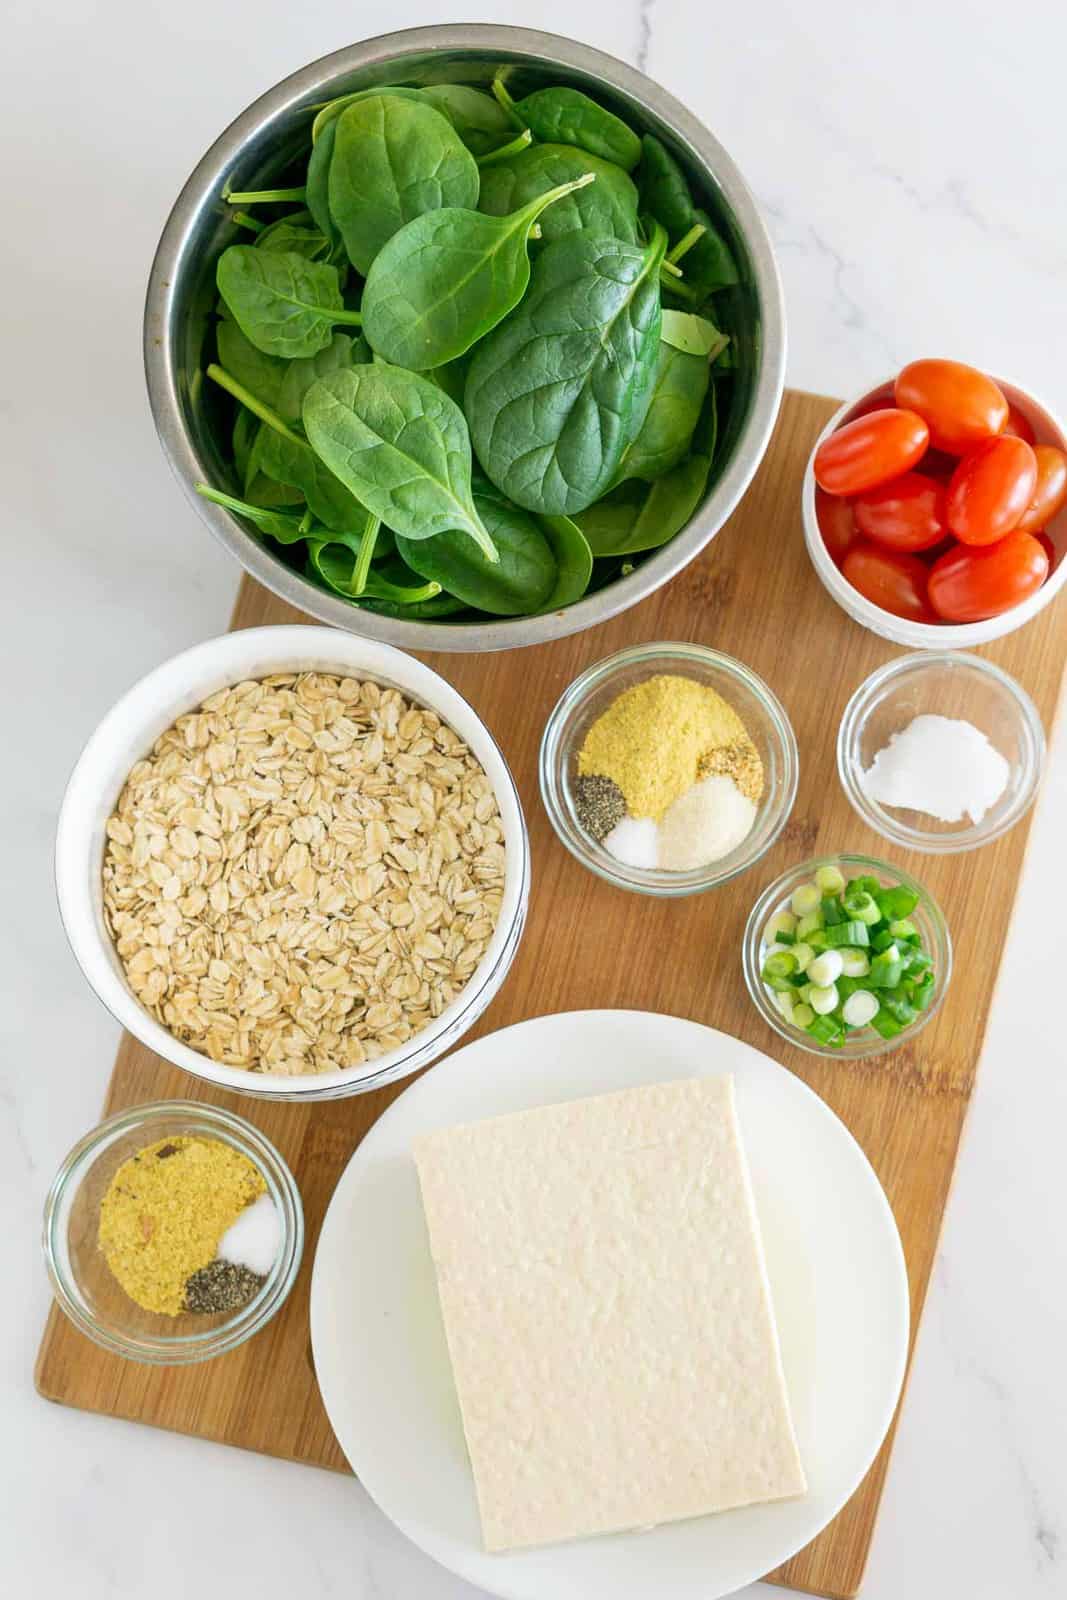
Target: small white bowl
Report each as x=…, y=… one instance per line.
x=128, y=732
x=931, y=635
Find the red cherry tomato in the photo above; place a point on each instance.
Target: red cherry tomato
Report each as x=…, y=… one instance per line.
x=1050, y=491
x=890, y=579
x=907, y=513
x=960, y=404
x=836, y=524
x=938, y=464
x=990, y=490
x=1048, y=547
x=1018, y=426
x=969, y=585
x=870, y=450
x=865, y=407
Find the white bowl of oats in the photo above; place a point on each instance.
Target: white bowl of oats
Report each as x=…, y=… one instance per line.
x=293, y=862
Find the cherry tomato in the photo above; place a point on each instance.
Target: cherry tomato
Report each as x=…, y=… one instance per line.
x=969, y=585
x=836, y=524
x=870, y=450
x=907, y=513
x=890, y=579
x=939, y=464
x=990, y=490
x=877, y=403
x=1050, y=492
x=960, y=404
x=1018, y=426
x=1048, y=547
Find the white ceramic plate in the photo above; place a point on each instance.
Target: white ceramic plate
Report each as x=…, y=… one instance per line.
x=836, y=1269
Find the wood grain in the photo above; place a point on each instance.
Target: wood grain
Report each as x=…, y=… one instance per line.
x=754, y=595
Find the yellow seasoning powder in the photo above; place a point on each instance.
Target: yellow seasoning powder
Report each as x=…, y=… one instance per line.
x=164, y=1212
x=664, y=733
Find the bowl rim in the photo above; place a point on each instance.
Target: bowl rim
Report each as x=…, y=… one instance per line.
x=752, y=939
x=181, y=1349
x=881, y=820
x=652, y=881
x=925, y=635
x=310, y=83
x=154, y=701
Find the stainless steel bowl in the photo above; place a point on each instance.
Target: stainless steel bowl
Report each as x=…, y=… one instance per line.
x=267, y=138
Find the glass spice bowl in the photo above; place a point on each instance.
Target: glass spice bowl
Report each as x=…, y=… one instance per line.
x=861, y=1042
x=81, y=1279
x=950, y=684
x=594, y=691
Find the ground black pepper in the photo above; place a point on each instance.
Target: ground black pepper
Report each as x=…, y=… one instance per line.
x=599, y=804
x=221, y=1286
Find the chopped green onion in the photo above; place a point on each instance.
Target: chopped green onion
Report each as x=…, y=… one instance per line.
x=825, y=969
x=905, y=929
x=862, y=908
x=882, y=940
x=781, y=922
x=812, y=923
x=850, y=933
x=822, y=1000
x=817, y=939
x=899, y=1006
x=854, y=964
x=860, y=1008
x=783, y=1000
x=805, y=955
x=805, y=899
x=847, y=986
x=832, y=912
x=803, y=1016
x=896, y=902
x=884, y=1023
x=827, y=1030
x=887, y=969
x=866, y=883
x=921, y=993
x=780, y=964
x=831, y=880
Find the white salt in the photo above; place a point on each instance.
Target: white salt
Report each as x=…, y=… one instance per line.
x=942, y=766
x=704, y=824
x=635, y=842
x=253, y=1241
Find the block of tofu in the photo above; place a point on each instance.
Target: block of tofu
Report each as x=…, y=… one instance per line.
x=608, y=1313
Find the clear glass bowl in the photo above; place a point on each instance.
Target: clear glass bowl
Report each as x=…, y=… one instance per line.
x=81, y=1278
x=950, y=685
x=591, y=694
x=927, y=916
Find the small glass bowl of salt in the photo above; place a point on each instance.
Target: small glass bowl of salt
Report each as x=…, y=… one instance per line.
x=940, y=751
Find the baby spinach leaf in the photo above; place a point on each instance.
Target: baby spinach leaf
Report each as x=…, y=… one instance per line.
x=441, y=607
x=452, y=378
x=245, y=428
x=666, y=196
x=342, y=351
x=480, y=121
x=558, y=390
x=392, y=160
x=678, y=391
x=284, y=236
x=257, y=372
x=695, y=335
x=333, y=109
x=517, y=583
x=400, y=445
x=636, y=517
x=444, y=279
x=337, y=563
x=608, y=206
x=574, y=561
x=567, y=116
x=291, y=461
x=285, y=305
x=286, y=527
x=318, y=187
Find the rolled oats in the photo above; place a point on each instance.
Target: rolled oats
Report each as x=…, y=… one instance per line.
x=303, y=873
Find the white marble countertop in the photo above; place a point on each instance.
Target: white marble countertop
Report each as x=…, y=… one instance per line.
x=910, y=162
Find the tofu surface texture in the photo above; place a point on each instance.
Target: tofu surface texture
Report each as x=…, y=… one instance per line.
x=608, y=1314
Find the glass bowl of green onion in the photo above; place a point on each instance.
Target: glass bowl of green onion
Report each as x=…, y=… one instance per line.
x=847, y=956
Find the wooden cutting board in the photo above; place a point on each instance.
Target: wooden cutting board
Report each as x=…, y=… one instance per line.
x=753, y=594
